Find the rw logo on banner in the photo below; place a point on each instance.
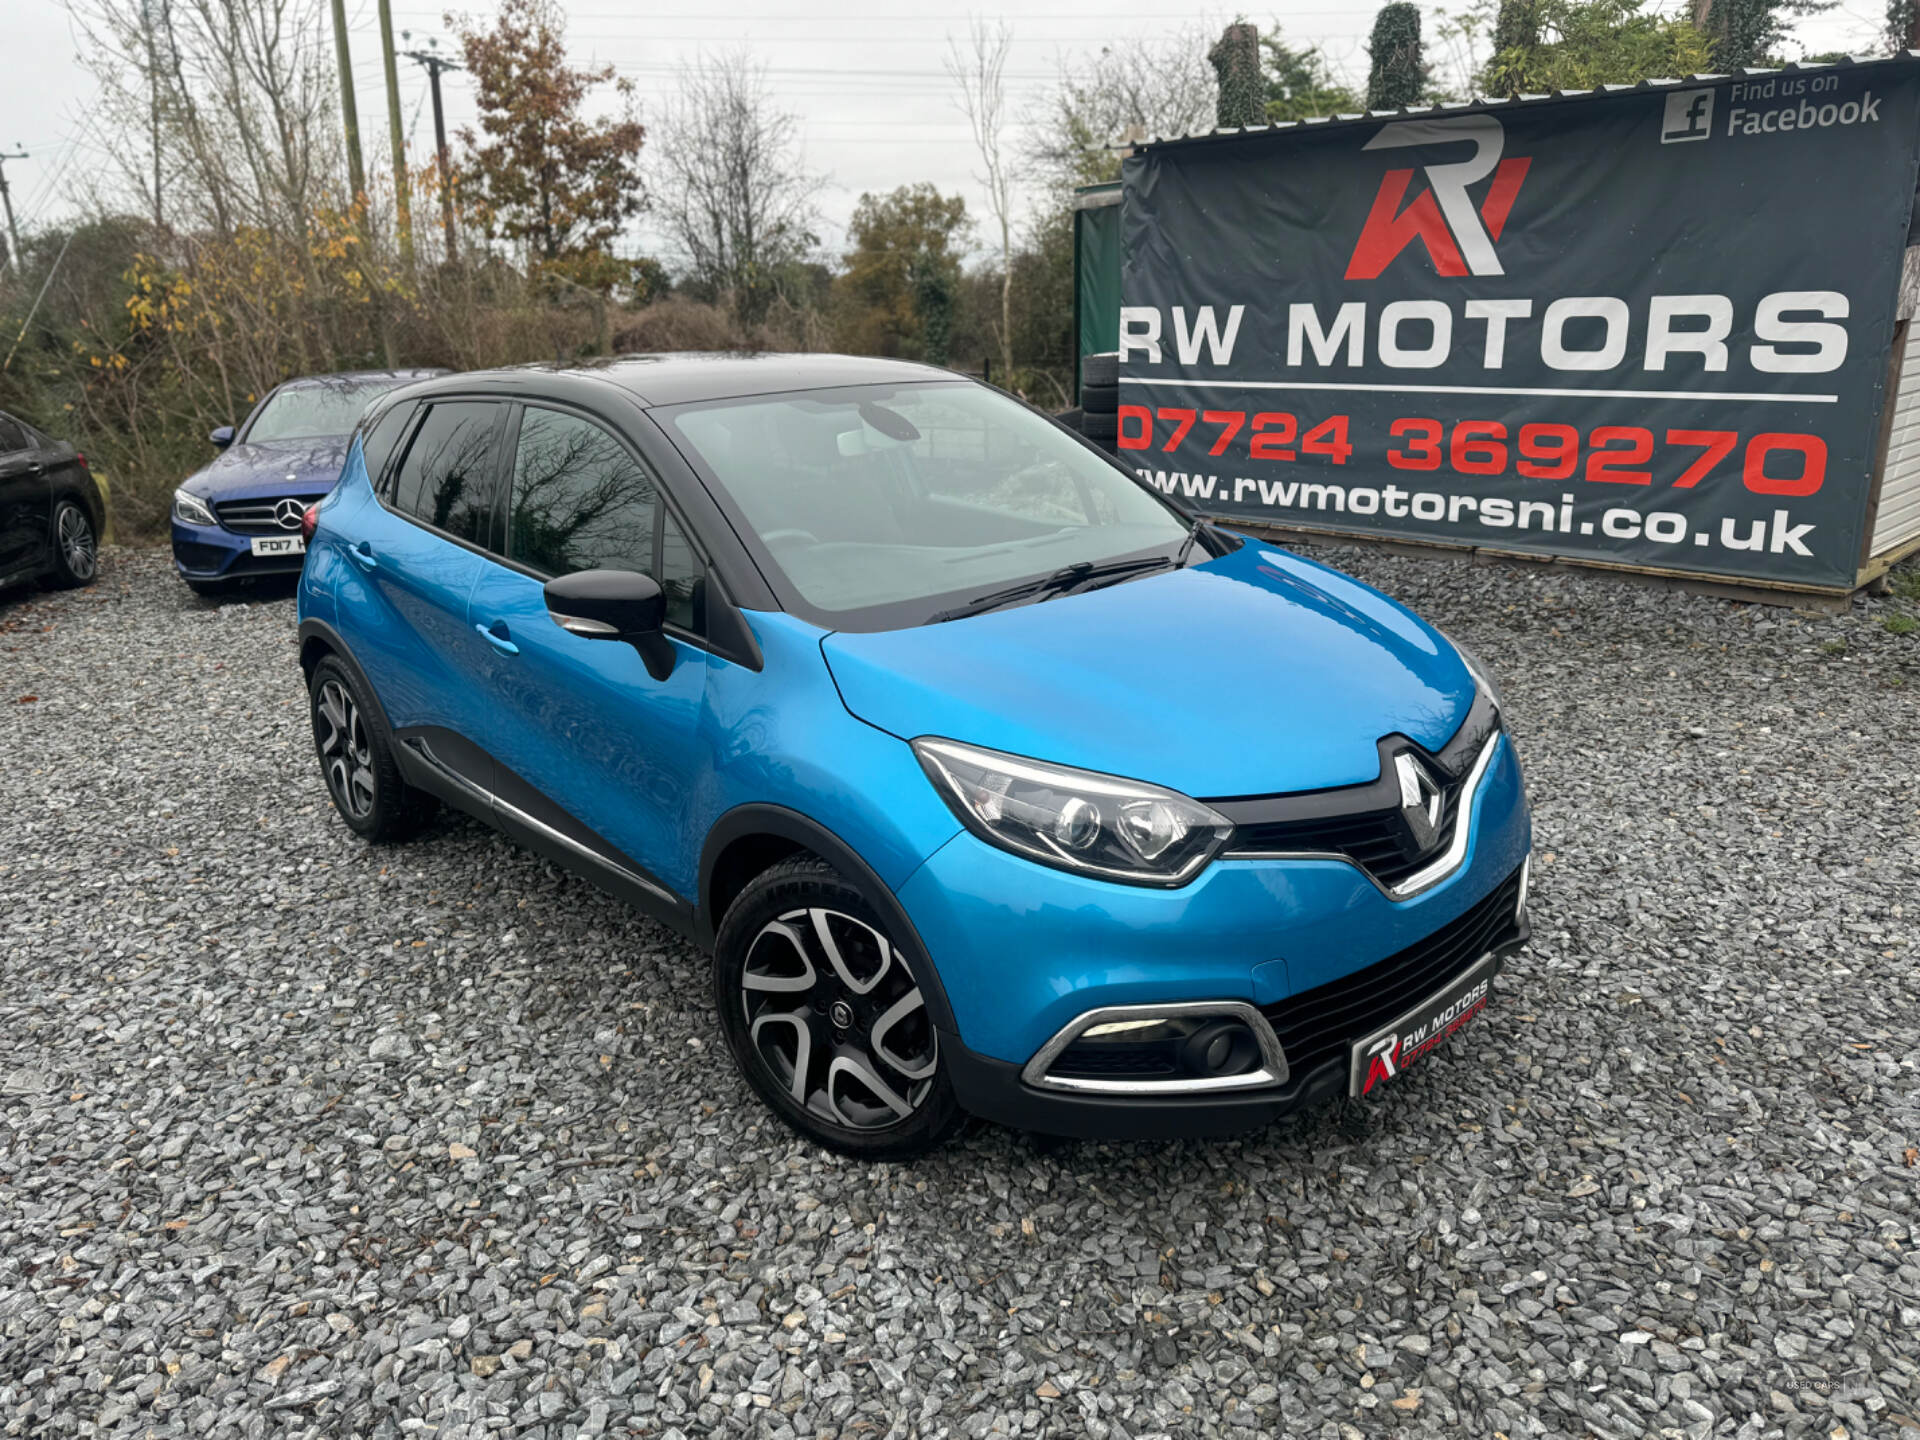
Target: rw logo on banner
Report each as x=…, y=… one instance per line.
x=1458, y=235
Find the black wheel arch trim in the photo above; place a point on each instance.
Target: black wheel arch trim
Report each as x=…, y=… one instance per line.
x=312, y=629
x=745, y=821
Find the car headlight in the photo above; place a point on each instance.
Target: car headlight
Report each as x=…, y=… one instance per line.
x=191, y=509
x=1482, y=676
x=1076, y=820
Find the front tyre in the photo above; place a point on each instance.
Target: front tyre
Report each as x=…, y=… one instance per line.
x=362, y=776
x=826, y=1018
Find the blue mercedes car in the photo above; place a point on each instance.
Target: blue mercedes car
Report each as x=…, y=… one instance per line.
x=994, y=782
x=240, y=516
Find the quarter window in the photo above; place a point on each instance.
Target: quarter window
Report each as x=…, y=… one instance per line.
x=680, y=574
x=446, y=479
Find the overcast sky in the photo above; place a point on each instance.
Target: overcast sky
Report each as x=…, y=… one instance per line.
x=864, y=76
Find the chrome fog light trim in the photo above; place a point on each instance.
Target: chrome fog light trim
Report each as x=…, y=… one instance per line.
x=1115, y=1019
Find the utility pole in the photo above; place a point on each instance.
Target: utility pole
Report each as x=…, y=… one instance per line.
x=6, y=198
x=436, y=66
x=402, y=195
x=356, y=176
x=153, y=107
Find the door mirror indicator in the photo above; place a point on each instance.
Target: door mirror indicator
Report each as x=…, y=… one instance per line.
x=614, y=605
x=221, y=436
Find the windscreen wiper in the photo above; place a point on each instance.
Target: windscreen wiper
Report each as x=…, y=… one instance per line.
x=1066, y=578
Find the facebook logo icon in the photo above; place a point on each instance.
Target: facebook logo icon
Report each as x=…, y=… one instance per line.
x=1689, y=116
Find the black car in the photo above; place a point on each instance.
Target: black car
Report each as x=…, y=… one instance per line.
x=50, y=509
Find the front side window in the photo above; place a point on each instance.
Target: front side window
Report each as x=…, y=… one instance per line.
x=580, y=501
x=317, y=408
x=897, y=499
x=446, y=479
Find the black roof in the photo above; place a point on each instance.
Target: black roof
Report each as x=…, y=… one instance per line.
x=673, y=379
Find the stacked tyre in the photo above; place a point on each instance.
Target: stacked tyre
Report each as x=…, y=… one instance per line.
x=1100, y=399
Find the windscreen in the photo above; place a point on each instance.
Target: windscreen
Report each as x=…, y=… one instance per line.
x=880, y=495
x=318, y=407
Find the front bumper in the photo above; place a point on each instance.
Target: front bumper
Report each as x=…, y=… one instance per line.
x=212, y=552
x=1001, y=1091
x=1023, y=950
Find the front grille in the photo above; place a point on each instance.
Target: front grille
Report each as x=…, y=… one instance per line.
x=1318, y=1025
x=257, y=517
x=1378, y=841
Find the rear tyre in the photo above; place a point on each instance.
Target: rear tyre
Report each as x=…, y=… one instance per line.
x=826, y=1018
x=76, y=553
x=362, y=775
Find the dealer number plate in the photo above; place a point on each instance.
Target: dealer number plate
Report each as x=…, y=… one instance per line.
x=1390, y=1052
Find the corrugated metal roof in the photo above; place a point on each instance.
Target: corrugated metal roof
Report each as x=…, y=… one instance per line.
x=1481, y=105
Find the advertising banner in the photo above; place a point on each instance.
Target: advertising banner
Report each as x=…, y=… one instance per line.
x=1650, y=328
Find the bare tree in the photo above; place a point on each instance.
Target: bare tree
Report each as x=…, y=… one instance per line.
x=234, y=98
x=1156, y=87
x=738, y=201
x=979, y=72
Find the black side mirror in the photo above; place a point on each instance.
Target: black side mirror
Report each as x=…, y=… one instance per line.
x=614, y=605
x=221, y=436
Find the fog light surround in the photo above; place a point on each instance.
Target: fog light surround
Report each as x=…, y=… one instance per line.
x=1176, y=1048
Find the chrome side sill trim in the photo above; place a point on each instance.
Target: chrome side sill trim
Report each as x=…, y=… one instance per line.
x=1428, y=876
x=1273, y=1070
x=537, y=825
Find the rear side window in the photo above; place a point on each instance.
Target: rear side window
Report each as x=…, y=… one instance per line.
x=378, y=440
x=580, y=500
x=446, y=479
x=13, y=435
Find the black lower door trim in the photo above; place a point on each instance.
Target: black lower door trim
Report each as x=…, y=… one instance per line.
x=464, y=775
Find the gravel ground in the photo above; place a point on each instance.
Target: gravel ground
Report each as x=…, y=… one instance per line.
x=302, y=1137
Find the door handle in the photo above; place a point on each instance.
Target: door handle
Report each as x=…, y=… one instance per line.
x=499, y=641
x=363, y=556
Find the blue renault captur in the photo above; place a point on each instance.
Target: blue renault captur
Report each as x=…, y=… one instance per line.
x=995, y=783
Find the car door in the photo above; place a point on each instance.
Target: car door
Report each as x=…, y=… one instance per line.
x=417, y=554
x=585, y=741
x=26, y=501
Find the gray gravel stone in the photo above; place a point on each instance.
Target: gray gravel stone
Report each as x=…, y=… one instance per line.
x=303, y=1138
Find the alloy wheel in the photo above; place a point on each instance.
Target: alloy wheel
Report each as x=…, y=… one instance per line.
x=345, y=750
x=77, y=546
x=834, y=1012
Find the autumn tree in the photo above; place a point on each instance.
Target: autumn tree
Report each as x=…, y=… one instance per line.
x=902, y=278
x=540, y=173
